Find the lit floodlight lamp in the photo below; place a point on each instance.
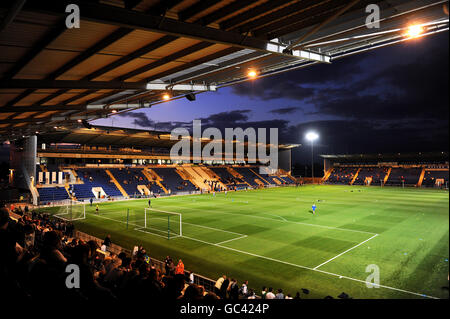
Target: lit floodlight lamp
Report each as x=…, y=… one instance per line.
x=166, y=97
x=252, y=74
x=414, y=31
x=312, y=136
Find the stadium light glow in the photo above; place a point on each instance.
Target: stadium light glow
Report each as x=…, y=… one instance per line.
x=166, y=97
x=252, y=74
x=312, y=136
x=414, y=31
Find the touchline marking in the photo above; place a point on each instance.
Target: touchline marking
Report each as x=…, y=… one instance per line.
x=283, y=262
x=345, y=251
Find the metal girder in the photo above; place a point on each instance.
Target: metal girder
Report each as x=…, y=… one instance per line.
x=170, y=58
x=180, y=87
x=183, y=67
x=223, y=12
x=164, y=6
x=40, y=108
x=97, y=47
x=261, y=9
x=71, y=84
x=297, y=8
x=107, y=14
x=49, y=37
x=324, y=23
x=11, y=15
x=196, y=8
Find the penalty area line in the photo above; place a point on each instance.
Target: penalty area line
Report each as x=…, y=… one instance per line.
x=331, y=259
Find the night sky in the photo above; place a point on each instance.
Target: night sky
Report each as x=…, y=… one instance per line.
x=389, y=100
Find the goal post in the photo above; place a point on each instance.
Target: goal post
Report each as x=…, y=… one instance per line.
x=72, y=212
x=163, y=223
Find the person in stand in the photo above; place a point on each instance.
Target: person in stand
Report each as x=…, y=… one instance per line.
x=233, y=290
x=179, y=270
x=224, y=288
x=107, y=242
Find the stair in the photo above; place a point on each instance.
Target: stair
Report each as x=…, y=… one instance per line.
x=193, y=176
x=119, y=187
x=422, y=175
x=356, y=176
x=259, y=176
x=212, y=176
x=327, y=175
x=237, y=175
x=152, y=176
x=387, y=175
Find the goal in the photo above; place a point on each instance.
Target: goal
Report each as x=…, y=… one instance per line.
x=163, y=223
x=72, y=212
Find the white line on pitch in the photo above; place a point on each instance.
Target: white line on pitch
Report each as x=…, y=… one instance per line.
x=227, y=241
x=288, y=221
x=284, y=262
x=326, y=262
x=312, y=269
x=212, y=228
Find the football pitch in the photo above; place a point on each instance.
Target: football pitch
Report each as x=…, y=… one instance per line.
x=270, y=237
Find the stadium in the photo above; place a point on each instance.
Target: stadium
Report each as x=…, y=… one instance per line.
x=141, y=221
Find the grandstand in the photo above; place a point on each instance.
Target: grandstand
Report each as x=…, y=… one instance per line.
x=412, y=170
x=85, y=182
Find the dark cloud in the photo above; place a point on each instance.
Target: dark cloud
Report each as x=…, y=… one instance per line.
x=140, y=119
x=285, y=110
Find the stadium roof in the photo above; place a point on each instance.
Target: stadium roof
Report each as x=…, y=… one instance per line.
x=127, y=53
x=118, y=137
x=417, y=156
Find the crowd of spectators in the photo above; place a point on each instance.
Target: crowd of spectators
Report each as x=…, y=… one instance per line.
x=36, y=251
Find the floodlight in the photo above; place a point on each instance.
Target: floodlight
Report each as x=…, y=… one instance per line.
x=312, y=136
x=166, y=97
x=414, y=31
x=252, y=74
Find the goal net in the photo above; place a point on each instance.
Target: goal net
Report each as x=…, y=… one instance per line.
x=72, y=212
x=162, y=223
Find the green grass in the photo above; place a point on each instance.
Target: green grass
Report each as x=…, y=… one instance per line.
x=270, y=237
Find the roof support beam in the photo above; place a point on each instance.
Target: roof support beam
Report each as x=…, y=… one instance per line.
x=41, y=108
x=12, y=13
x=196, y=8
x=227, y=10
x=141, y=21
x=71, y=84
x=164, y=6
x=180, y=87
x=324, y=23
x=34, y=51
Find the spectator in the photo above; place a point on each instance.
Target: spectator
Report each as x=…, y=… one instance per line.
x=244, y=289
x=270, y=294
x=279, y=294
x=251, y=294
x=107, y=242
x=218, y=284
x=224, y=288
x=179, y=270
x=263, y=292
x=233, y=290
